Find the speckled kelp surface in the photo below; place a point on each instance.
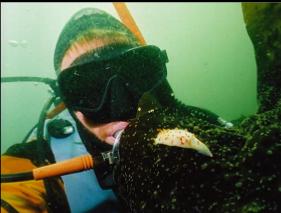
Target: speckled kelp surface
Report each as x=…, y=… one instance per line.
x=242, y=176
x=263, y=23
x=244, y=173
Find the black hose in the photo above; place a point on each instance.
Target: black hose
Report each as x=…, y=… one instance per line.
x=50, y=82
x=6, y=178
x=29, y=133
x=40, y=131
x=42, y=118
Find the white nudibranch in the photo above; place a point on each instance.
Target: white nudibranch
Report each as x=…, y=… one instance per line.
x=181, y=138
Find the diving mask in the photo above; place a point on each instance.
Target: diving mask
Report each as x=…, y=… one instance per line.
x=108, y=90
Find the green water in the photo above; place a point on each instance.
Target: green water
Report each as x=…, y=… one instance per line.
x=211, y=58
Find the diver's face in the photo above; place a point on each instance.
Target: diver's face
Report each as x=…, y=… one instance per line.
x=104, y=132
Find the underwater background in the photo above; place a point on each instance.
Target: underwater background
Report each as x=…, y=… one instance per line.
x=211, y=58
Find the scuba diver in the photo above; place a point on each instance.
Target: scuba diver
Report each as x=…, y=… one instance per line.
x=105, y=78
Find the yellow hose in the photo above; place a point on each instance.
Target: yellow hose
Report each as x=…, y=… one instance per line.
x=128, y=20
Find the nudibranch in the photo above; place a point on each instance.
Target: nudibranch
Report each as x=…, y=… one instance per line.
x=181, y=138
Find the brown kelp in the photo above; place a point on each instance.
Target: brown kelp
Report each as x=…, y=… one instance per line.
x=263, y=23
x=243, y=174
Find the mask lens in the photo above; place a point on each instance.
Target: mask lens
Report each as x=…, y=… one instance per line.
x=143, y=69
x=85, y=86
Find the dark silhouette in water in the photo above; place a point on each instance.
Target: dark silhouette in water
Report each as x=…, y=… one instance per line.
x=244, y=174
x=264, y=28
